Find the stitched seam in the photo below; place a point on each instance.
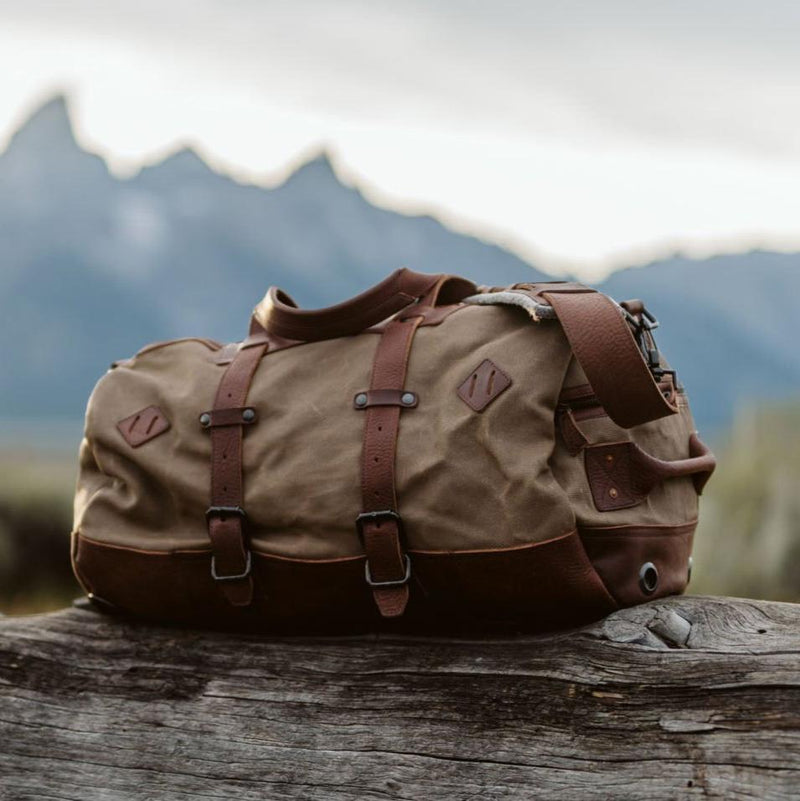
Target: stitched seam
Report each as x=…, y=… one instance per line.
x=207, y=552
x=478, y=551
x=634, y=530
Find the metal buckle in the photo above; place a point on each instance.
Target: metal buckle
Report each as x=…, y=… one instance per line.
x=221, y=511
x=225, y=510
x=642, y=333
x=395, y=583
x=649, y=320
x=238, y=576
x=383, y=514
x=387, y=514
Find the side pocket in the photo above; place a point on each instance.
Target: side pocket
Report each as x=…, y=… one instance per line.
x=648, y=476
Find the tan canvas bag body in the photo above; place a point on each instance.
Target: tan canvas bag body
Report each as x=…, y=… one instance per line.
x=427, y=452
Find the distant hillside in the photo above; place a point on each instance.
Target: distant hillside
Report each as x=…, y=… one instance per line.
x=92, y=267
x=728, y=323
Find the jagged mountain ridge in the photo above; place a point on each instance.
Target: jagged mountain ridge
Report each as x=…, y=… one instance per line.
x=94, y=266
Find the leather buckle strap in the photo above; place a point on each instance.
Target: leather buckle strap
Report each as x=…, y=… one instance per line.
x=225, y=517
x=380, y=527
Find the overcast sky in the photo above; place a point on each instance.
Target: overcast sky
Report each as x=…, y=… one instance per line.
x=582, y=134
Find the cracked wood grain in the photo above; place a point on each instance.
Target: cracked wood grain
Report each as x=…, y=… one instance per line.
x=680, y=698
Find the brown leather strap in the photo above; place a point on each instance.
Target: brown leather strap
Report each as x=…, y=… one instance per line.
x=604, y=346
x=379, y=525
x=279, y=314
x=230, y=564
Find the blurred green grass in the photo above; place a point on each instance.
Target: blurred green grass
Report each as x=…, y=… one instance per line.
x=748, y=540
x=747, y=544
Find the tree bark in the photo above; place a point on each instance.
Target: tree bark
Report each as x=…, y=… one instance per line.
x=681, y=698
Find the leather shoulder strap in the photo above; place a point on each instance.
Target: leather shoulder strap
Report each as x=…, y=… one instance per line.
x=604, y=346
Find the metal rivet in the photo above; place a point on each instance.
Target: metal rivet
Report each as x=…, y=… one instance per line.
x=248, y=415
x=609, y=458
x=689, y=570
x=613, y=492
x=408, y=398
x=205, y=419
x=648, y=578
x=361, y=399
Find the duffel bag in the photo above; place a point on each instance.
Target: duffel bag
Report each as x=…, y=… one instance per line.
x=429, y=452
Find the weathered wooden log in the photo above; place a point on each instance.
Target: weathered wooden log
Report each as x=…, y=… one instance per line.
x=681, y=698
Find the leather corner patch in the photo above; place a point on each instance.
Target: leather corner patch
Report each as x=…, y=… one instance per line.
x=142, y=426
x=485, y=383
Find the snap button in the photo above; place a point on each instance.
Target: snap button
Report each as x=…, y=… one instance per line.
x=361, y=399
x=205, y=419
x=248, y=415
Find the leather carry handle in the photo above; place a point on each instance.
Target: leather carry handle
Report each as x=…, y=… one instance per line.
x=279, y=314
x=604, y=346
x=649, y=471
x=622, y=475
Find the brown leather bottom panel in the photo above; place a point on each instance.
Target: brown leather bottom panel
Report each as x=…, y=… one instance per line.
x=532, y=588
x=544, y=586
x=619, y=553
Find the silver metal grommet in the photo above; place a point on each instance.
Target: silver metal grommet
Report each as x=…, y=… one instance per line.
x=648, y=578
x=205, y=419
x=361, y=399
x=248, y=415
x=408, y=398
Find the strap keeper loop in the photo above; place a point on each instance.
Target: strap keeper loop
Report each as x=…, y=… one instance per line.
x=377, y=517
x=222, y=511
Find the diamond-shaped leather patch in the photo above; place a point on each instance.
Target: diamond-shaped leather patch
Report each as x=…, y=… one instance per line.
x=142, y=426
x=483, y=385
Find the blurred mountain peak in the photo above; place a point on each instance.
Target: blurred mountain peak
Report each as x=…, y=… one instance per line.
x=185, y=161
x=48, y=129
x=318, y=169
